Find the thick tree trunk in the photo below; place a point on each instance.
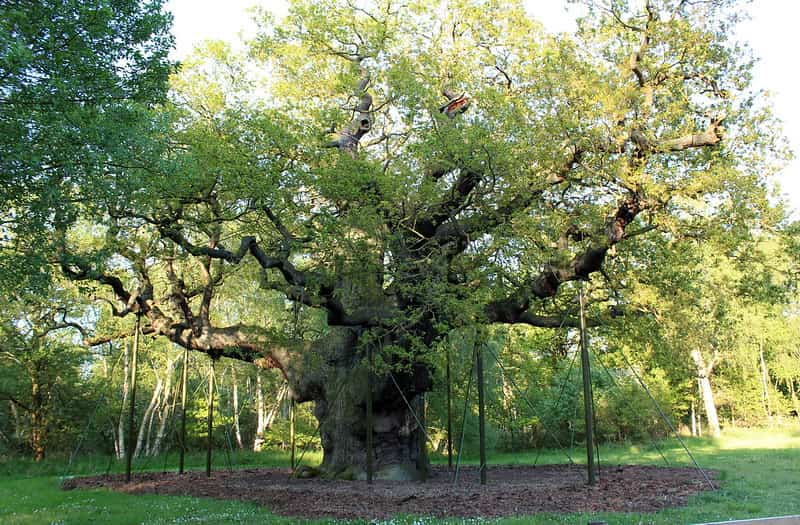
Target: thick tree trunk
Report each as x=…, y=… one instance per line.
x=709, y=406
x=340, y=394
x=706, y=393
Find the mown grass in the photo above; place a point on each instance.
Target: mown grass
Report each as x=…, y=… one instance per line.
x=759, y=470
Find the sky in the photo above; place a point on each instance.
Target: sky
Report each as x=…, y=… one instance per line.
x=771, y=33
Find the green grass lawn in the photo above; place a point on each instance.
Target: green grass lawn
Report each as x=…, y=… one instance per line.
x=759, y=471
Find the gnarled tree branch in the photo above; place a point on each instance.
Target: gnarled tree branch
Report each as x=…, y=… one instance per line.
x=349, y=137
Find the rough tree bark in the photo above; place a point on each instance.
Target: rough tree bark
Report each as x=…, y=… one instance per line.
x=339, y=390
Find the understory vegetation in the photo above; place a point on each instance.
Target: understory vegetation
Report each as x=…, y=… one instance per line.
x=532, y=401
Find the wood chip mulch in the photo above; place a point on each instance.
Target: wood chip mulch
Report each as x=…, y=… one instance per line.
x=511, y=491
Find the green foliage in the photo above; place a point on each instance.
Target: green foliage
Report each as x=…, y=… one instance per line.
x=42, y=396
x=534, y=395
x=278, y=436
x=625, y=412
x=109, y=178
x=75, y=81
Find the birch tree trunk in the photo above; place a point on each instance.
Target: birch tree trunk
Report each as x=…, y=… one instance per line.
x=165, y=411
x=149, y=432
x=119, y=442
x=148, y=414
x=276, y=407
x=704, y=370
x=709, y=406
x=236, y=429
x=258, y=440
x=699, y=413
x=706, y=393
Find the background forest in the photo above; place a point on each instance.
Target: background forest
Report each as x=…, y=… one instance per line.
x=123, y=171
x=61, y=398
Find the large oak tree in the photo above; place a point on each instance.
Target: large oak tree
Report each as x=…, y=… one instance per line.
x=410, y=169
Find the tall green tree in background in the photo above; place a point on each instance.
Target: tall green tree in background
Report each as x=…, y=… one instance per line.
x=405, y=171
x=75, y=81
x=715, y=315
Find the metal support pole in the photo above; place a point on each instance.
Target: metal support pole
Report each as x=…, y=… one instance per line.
x=481, y=413
x=588, y=408
x=292, y=433
x=184, y=381
x=422, y=455
x=449, y=414
x=210, y=431
x=699, y=409
x=132, y=408
x=464, y=415
x=370, y=422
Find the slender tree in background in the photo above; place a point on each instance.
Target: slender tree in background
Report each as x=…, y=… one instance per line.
x=210, y=418
x=130, y=451
x=40, y=368
x=184, y=385
x=476, y=168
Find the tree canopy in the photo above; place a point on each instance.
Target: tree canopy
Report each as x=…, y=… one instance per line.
x=402, y=171
x=75, y=78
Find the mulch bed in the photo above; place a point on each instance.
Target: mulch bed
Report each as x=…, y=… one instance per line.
x=511, y=491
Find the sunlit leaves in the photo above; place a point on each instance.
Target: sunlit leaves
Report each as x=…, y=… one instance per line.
x=75, y=79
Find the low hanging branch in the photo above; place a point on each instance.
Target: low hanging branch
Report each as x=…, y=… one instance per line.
x=189, y=330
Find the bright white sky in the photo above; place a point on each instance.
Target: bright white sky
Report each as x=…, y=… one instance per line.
x=772, y=33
